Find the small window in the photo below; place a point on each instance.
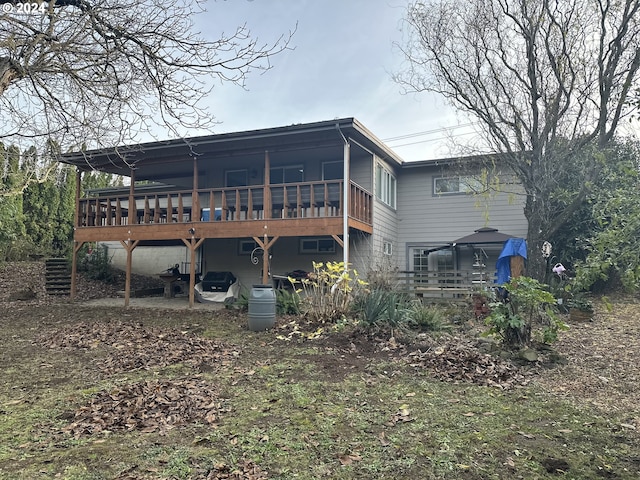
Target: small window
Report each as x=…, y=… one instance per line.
x=387, y=248
x=332, y=171
x=246, y=246
x=317, y=245
x=236, y=178
x=385, y=186
x=454, y=185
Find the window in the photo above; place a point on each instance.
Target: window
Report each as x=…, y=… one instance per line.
x=332, y=171
x=437, y=263
x=317, y=245
x=288, y=174
x=387, y=248
x=245, y=247
x=385, y=186
x=453, y=185
x=235, y=178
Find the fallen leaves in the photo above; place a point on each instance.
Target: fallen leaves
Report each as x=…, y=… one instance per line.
x=460, y=361
x=132, y=346
x=151, y=406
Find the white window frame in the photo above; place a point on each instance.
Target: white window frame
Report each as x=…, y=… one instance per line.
x=386, y=186
x=466, y=184
x=387, y=248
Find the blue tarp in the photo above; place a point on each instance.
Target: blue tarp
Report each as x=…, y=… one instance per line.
x=512, y=247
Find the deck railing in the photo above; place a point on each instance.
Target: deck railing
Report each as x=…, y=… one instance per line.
x=451, y=284
x=291, y=200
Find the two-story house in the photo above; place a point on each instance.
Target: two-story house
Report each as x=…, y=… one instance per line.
x=262, y=203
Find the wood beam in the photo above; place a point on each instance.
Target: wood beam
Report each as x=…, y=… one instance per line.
x=192, y=244
x=338, y=240
x=267, y=189
x=132, y=203
x=195, y=203
x=265, y=244
x=282, y=227
x=74, y=268
x=128, y=245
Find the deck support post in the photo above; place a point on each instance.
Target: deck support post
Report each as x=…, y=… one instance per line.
x=76, y=245
x=192, y=244
x=74, y=268
x=129, y=246
x=265, y=244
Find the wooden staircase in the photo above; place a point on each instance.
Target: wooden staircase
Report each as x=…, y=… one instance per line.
x=58, y=276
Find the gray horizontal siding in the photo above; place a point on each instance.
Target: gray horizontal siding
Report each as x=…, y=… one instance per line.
x=424, y=218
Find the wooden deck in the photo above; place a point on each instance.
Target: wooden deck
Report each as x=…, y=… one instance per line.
x=308, y=208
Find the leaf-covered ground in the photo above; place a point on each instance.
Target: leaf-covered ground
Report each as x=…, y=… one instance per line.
x=96, y=392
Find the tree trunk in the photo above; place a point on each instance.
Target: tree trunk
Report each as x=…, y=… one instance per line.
x=536, y=263
x=8, y=73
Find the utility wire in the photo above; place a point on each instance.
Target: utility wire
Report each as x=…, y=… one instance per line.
x=428, y=132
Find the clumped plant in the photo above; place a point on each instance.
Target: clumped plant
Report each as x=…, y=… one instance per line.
x=522, y=305
x=380, y=308
x=287, y=302
x=328, y=291
x=431, y=318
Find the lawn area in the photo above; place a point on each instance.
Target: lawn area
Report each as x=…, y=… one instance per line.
x=90, y=393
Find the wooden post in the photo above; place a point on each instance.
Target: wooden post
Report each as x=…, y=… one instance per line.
x=267, y=188
x=128, y=246
x=195, y=202
x=265, y=244
x=74, y=268
x=192, y=245
x=76, y=246
x=132, y=202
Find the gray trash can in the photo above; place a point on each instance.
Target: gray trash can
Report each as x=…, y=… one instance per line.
x=262, y=308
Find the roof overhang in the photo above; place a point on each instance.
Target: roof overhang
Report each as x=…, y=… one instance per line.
x=145, y=158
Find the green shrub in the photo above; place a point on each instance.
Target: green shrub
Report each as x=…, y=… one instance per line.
x=287, y=302
x=371, y=306
x=432, y=318
x=525, y=305
x=96, y=263
x=328, y=291
x=380, y=308
x=242, y=303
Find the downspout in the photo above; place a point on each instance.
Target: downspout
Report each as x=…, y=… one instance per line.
x=345, y=199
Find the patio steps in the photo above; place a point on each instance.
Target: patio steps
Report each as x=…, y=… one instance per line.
x=57, y=276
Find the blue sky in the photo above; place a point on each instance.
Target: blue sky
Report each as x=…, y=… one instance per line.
x=340, y=66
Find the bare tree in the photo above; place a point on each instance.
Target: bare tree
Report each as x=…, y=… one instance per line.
x=103, y=72
x=547, y=81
